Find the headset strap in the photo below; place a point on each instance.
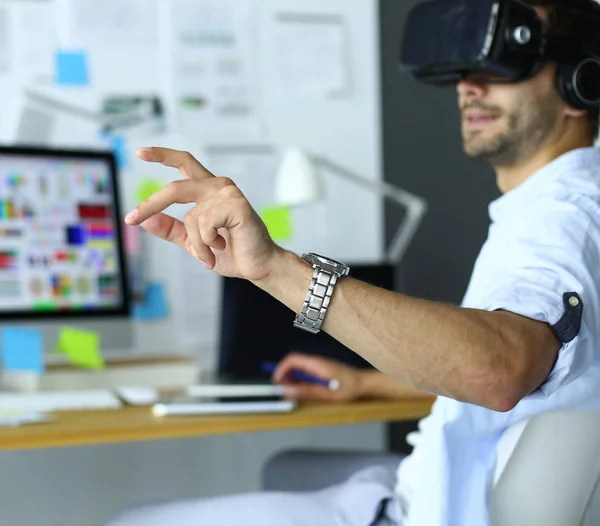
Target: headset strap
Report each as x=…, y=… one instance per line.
x=564, y=49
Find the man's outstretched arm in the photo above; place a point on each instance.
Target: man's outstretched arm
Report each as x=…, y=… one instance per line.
x=492, y=359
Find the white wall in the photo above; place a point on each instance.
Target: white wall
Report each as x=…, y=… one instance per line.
x=83, y=486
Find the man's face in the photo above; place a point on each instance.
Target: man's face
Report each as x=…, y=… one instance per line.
x=504, y=123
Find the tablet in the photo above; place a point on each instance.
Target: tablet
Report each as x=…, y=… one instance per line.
x=205, y=405
x=223, y=390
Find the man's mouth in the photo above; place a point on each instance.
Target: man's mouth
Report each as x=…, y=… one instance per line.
x=476, y=119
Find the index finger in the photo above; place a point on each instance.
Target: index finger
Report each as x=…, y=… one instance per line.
x=176, y=192
x=185, y=162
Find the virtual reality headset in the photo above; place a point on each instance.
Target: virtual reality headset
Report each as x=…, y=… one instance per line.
x=446, y=41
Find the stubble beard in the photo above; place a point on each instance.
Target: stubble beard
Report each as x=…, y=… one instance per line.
x=526, y=130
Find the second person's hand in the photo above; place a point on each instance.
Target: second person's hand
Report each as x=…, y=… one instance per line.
x=222, y=231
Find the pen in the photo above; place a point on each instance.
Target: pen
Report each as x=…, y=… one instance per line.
x=333, y=385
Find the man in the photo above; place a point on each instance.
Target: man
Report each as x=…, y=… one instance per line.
x=524, y=341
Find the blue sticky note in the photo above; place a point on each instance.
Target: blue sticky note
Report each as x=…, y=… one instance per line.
x=72, y=68
x=22, y=350
x=154, y=306
x=118, y=145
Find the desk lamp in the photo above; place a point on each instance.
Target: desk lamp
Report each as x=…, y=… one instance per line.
x=298, y=182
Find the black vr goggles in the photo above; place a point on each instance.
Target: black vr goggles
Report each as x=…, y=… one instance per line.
x=446, y=41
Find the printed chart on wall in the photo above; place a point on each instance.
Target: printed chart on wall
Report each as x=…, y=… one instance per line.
x=109, y=23
x=213, y=74
x=33, y=58
x=4, y=68
x=311, y=55
x=4, y=44
x=198, y=315
x=252, y=167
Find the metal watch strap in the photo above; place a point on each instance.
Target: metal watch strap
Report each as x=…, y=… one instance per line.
x=316, y=301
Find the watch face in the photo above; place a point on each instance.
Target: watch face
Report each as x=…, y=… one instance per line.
x=325, y=260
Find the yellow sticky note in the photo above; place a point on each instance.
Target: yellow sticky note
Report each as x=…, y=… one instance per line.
x=278, y=221
x=146, y=188
x=82, y=348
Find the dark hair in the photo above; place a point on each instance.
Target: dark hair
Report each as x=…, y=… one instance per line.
x=579, y=19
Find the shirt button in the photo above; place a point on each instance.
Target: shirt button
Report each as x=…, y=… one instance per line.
x=573, y=301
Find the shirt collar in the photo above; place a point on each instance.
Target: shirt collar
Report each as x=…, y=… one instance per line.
x=574, y=160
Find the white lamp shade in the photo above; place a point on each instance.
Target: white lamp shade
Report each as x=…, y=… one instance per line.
x=297, y=181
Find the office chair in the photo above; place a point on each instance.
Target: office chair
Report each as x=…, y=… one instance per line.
x=550, y=479
x=553, y=473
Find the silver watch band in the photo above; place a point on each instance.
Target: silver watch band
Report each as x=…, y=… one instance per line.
x=316, y=301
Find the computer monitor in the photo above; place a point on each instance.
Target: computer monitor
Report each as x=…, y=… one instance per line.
x=61, y=248
x=255, y=327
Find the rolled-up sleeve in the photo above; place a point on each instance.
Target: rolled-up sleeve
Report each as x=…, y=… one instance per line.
x=545, y=264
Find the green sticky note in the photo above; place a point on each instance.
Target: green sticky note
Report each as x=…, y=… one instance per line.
x=146, y=188
x=278, y=221
x=81, y=347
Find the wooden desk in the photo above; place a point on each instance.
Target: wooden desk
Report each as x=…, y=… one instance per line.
x=136, y=423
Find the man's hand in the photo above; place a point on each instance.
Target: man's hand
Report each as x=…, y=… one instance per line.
x=349, y=379
x=222, y=231
x=354, y=383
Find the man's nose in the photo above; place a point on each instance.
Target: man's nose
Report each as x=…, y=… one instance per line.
x=470, y=87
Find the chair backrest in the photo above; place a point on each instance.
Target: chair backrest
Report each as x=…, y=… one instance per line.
x=552, y=473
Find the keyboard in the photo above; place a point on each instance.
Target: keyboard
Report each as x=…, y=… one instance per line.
x=48, y=401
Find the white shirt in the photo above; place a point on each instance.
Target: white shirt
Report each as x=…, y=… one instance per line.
x=543, y=242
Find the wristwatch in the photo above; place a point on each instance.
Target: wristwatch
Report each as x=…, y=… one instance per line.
x=325, y=276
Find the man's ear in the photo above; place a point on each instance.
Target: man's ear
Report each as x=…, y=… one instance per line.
x=574, y=112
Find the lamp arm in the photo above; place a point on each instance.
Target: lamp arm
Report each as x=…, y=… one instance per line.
x=416, y=207
x=406, y=231
x=77, y=111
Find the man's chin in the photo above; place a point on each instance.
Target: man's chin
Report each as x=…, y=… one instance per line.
x=494, y=156
x=475, y=145
x=479, y=152
x=474, y=151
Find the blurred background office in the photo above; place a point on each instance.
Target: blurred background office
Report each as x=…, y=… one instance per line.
x=238, y=83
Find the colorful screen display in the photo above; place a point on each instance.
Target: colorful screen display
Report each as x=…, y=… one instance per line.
x=59, y=242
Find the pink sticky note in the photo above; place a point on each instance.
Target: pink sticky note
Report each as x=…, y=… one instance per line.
x=133, y=240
